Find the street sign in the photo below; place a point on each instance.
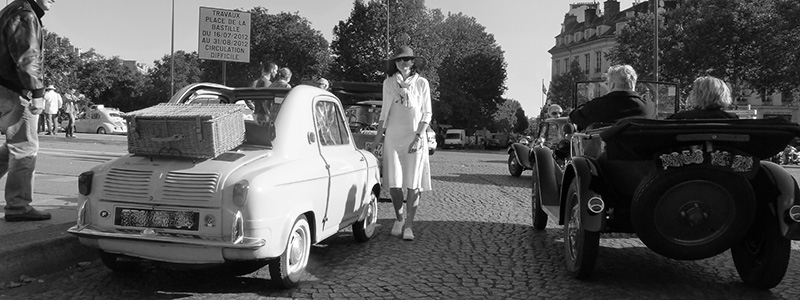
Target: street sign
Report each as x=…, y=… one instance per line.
x=224, y=35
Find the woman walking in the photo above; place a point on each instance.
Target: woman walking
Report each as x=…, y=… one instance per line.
x=405, y=115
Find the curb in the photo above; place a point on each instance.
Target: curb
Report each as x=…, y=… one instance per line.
x=41, y=251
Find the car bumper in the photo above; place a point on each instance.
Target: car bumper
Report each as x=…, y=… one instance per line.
x=169, y=248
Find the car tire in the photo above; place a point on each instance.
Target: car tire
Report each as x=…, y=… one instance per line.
x=287, y=270
x=101, y=130
x=364, y=230
x=431, y=151
x=581, y=246
x=119, y=263
x=762, y=257
x=671, y=219
x=537, y=214
x=514, y=168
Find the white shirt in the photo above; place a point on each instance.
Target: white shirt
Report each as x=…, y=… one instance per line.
x=52, y=102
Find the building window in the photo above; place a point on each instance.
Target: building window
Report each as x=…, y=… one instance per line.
x=599, y=57
x=586, y=66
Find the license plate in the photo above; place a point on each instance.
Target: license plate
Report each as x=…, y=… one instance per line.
x=170, y=219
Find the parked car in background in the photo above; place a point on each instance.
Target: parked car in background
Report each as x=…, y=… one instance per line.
x=99, y=119
x=296, y=180
x=455, y=138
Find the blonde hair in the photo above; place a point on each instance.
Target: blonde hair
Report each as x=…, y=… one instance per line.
x=623, y=76
x=710, y=93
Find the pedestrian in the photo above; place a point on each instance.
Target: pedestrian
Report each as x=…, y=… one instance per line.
x=70, y=109
x=282, y=78
x=708, y=100
x=405, y=116
x=268, y=73
x=621, y=102
x=21, y=102
x=52, y=103
x=554, y=111
x=323, y=83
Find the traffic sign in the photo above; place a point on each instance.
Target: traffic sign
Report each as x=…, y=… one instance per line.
x=224, y=35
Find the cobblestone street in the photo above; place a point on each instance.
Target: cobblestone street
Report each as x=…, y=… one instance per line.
x=474, y=240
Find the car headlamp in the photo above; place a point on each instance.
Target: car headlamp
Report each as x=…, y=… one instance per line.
x=240, y=190
x=85, y=182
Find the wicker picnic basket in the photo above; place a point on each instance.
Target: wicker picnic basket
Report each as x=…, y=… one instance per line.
x=185, y=130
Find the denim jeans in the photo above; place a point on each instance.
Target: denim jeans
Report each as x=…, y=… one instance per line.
x=18, y=153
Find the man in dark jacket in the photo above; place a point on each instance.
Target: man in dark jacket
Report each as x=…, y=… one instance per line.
x=621, y=102
x=21, y=102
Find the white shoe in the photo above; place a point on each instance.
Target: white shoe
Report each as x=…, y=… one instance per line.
x=397, y=229
x=408, y=235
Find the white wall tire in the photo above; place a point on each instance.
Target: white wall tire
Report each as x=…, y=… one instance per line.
x=287, y=270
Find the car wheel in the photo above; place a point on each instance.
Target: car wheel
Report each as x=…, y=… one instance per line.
x=513, y=166
x=431, y=151
x=762, y=257
x=580, y=245
x=365, y=229
x=239, y=268
x=101, y=130
x=119, y=263
x=537, y=214
x=286, y=270
x=692, y=214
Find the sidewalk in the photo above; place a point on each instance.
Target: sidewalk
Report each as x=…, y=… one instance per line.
x=40, y=247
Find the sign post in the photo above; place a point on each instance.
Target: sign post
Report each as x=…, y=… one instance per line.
x=224, y=35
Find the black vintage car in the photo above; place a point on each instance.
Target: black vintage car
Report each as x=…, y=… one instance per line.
x=689, y=189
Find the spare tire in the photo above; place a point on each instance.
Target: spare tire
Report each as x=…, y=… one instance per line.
x=692, y=213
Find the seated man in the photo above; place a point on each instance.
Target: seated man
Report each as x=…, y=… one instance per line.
x=621, y=102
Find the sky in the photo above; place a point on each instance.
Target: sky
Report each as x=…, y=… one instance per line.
x=141, y=30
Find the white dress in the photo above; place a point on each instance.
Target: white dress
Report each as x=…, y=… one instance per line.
x=401, y=116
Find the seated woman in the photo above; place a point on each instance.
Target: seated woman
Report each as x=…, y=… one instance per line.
x=709, y=97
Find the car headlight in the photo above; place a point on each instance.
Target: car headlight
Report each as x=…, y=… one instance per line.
x=85, y=183
x=240, y=193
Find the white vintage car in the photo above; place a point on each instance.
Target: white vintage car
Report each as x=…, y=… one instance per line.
x=293, y=182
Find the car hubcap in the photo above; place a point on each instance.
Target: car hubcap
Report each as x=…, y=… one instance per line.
x=297, y=246
x=372, y=216
x=684, y=217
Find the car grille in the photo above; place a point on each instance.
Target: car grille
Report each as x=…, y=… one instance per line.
x=135, y=185
x=179, y=186
x=127, y=185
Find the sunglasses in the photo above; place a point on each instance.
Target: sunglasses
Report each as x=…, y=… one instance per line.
x=404, y=59
x=555, y=113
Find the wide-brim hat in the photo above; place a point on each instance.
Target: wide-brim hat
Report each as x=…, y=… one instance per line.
x=405, y=51
x=402, y=51
x=50, y=87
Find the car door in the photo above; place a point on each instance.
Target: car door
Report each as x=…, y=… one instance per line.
x=347, y=167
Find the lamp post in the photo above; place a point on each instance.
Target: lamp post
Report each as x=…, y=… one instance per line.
x=172, y=54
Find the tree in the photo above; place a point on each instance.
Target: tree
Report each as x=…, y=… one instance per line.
x=505, y=118
x=159, y=84
x=739, y=41
x=522, y=121
x=61, y=61
x=562, y=88
x=463, y=63
x=473, y=64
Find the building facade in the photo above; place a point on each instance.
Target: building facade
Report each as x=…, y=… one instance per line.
x=589, y=33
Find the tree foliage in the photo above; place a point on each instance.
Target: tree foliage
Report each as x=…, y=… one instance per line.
x=562, y=88
x=463, y=63
x=505, y=117
x=739, y=41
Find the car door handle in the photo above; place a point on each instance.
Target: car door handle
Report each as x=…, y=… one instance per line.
x=362, y=159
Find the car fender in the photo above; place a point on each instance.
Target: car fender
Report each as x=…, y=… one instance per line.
x=585, y=171
x=789, y=195
x=522, y=154
x=545, y=168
